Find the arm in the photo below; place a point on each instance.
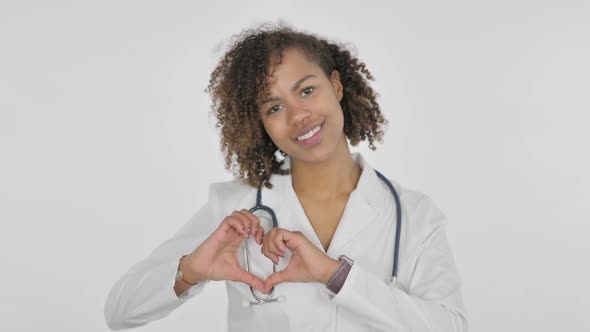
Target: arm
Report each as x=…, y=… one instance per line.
x=146, y=292
x=433, y=302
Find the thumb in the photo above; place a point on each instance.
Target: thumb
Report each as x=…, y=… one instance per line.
x=250, y=279
x=274, y=279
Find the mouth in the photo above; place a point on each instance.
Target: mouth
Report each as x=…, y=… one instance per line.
x=312, y=137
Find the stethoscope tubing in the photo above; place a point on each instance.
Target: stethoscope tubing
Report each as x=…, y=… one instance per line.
x=260, y=206
x=398, y=209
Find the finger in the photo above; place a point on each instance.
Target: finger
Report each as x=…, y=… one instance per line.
x=253, y=218
x=254, y=221
x=236, y=224
x=245, y=221
x=250, y=279
x=273, y=257
x=268, y=246
x=259, y=235
x=276, y=240
x=266, y=239
x=279, y=242
x=274, y=279
x=270, y=249
x=292, y=240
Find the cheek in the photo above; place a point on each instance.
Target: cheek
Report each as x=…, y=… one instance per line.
x=337, y=118
x=275, y=131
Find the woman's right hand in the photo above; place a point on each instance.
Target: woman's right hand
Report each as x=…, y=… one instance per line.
x=216, y=258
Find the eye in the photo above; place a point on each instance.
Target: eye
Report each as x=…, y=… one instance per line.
x=273, y=109
x=307, y=90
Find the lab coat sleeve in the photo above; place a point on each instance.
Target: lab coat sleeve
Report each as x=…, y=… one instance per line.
x=145, y=293
x=433, y=302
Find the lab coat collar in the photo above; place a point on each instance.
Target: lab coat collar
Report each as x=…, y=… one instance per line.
x=366, y=188
x=369, y=184
x=361, y=208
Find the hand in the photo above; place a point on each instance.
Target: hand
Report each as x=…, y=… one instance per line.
x=307, y=264
x=216, y=258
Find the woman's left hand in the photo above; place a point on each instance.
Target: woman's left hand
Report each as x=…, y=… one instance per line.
x=307, y=264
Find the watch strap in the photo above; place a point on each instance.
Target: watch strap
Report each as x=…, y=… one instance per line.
x=339, y=277
x=180, y=275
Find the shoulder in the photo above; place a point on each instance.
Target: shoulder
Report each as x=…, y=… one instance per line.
x=419, y=203
x=421, y=216
x=233, y=188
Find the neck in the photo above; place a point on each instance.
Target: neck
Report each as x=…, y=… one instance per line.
x=328, y=179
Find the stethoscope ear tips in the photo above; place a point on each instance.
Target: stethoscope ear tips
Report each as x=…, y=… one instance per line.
x=245, y=303
x=281, y=299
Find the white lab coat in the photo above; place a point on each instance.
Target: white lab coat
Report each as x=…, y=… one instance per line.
x=429, y=293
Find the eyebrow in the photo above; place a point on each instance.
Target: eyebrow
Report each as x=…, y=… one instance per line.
x=293, y=89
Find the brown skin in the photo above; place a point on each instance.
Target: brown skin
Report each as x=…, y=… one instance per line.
x=323, y=170
x=307, y=264
x=317, y=171
x=241, y=81
x=216, y=258
x=267, y=64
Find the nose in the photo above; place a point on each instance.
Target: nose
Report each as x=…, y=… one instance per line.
x=297, y=113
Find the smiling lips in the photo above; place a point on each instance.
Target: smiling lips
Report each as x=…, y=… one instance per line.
x=311, y=137
x=309, y=134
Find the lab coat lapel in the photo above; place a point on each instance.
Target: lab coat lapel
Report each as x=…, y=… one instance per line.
x=361, y=210
x=297, y=219
x=288, y=209
x=275, y=197
x=357, y=216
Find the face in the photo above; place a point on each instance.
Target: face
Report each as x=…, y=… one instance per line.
x=302, y=114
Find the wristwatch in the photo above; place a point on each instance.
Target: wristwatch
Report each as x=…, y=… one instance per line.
x=339, y=277
x=180, y=276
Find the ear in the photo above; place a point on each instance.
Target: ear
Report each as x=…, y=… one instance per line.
x=336, y=84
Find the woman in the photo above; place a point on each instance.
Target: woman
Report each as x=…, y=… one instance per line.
x=287, y=104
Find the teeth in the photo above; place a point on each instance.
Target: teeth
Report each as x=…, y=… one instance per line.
x=309, y=134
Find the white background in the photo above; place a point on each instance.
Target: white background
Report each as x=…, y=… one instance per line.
x=107, y=148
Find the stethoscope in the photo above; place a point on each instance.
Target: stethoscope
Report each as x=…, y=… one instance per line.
x=260, y=207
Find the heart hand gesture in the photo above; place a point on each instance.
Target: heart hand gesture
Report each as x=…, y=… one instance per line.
x=216, y=258
x=307, y=264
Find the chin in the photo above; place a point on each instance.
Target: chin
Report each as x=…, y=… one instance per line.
x=313, y=156
x=319, y=153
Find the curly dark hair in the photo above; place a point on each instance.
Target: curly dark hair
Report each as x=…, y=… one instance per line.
x=240, y=80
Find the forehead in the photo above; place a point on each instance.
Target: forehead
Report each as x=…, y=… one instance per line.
x=294, y=64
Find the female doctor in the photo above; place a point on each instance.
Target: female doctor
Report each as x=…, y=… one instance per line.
x=288, y=105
